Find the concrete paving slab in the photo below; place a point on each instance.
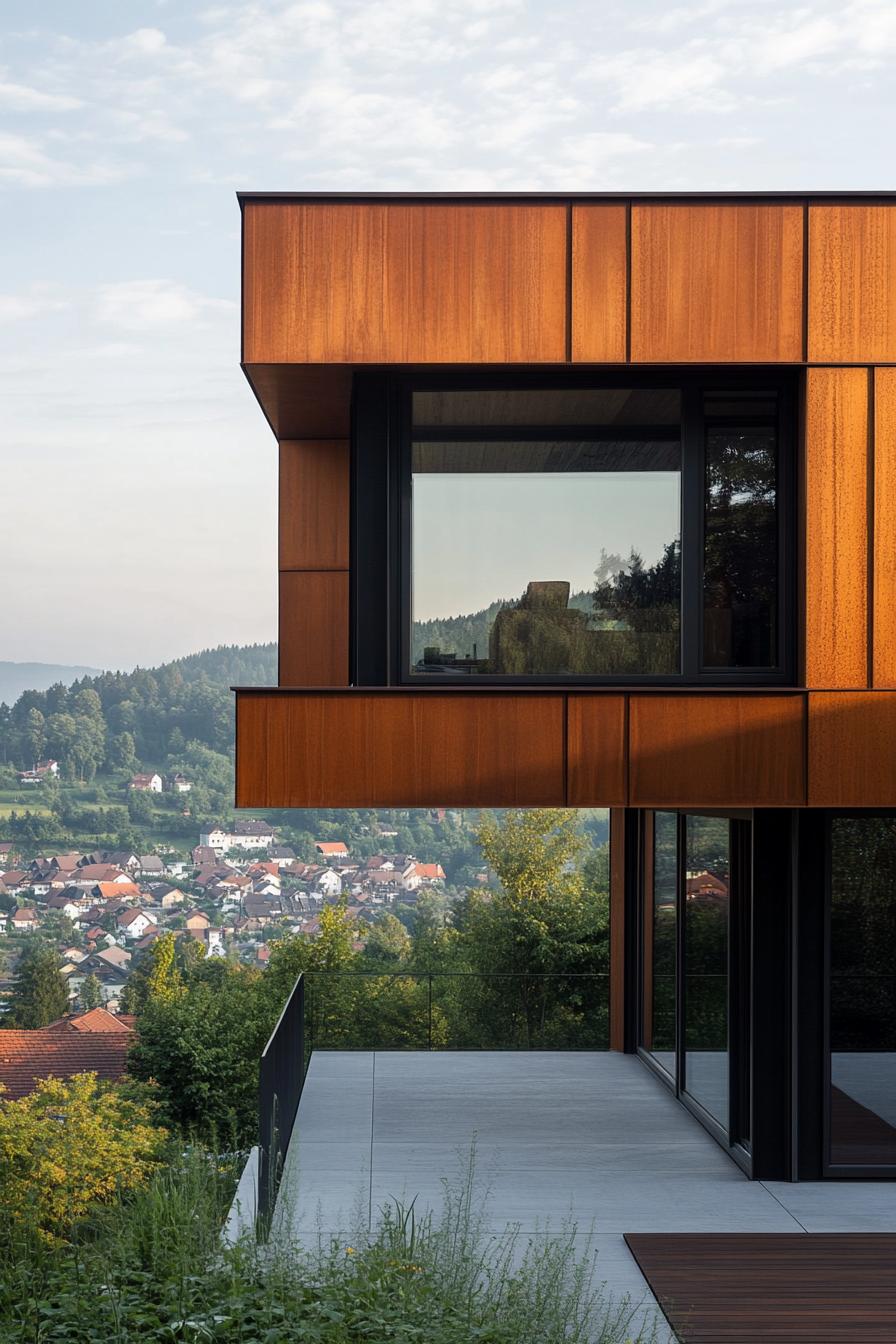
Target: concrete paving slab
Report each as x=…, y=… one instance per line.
x=596, y=1137
x=838, y=1206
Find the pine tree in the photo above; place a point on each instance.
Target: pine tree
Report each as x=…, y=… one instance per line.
x=90, y=994
x=40, y=993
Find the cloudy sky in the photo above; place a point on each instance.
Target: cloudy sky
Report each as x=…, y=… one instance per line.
x=138, y=477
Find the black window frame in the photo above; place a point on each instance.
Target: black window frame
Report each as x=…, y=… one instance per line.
x=380, y=561
x=831, y=1170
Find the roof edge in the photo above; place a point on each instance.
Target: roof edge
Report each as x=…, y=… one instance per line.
x=562, y=197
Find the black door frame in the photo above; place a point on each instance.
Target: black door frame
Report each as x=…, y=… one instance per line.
x=739, y=999
x=764, y=1020
x=820, y=935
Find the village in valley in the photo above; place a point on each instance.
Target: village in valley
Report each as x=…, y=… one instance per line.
x=236, y=890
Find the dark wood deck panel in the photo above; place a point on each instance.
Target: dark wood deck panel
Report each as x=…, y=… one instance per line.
x=736, y=1288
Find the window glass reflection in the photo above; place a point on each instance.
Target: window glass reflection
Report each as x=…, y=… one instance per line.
x=863, y=991
x=536, y=557
x=740, y=591
x=547, y=406
x=660, y=980
x=706, y=932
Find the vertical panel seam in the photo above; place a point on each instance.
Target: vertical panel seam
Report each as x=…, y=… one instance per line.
x=628, y=282
x=565, y=749
x=870, y=526
x=805, y=699
x=626, y=749
x=570, y=276
x=805, y=303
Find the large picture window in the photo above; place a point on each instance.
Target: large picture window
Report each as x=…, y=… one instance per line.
x=602, y=533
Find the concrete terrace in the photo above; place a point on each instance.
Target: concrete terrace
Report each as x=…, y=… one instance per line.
x=592, y=1137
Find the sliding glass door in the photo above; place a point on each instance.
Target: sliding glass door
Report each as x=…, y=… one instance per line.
x=695, y=964
x=660, y=992
x=862, y=994
x=707, y=923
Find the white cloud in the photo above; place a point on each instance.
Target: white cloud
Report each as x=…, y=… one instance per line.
x=21, y=98
x=20, y=307
x=143, y=42
x=145, y=305
x=25, y=163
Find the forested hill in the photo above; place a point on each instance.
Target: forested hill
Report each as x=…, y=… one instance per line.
x=18, y=677
x=458, y=634
x=150, y=715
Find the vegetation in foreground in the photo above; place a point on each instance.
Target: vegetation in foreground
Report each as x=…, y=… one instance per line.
x=150, y=1266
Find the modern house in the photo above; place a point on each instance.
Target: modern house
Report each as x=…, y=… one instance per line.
x=650, y=442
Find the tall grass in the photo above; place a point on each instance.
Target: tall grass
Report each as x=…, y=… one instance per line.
x=153, y=1267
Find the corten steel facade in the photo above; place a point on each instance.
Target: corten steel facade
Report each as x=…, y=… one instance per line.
x=355, y=306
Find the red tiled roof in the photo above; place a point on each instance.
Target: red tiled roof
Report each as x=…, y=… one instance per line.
x=131, y=916
x=118, y=891
x=58, y=1051
x=95, y=1019
x=433, y=871
x=331, y=847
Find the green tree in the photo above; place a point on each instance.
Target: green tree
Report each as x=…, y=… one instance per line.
x=536, y=944
x=62, y=737
x=155, y=976
x=56, y=929
x=40, y=993
x=202, y=1049
x=90, y=742
x=35, y=735
x=122, y=751
x=140, y=808
x=70, y=1145
x=164, y=982
x=90, y=995
x=388, y=944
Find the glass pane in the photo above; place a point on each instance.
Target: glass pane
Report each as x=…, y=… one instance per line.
x=863, y=990
x=740, y=588
x=546, y=557
x=548, y=406
x=660, y=978
x=706, y=911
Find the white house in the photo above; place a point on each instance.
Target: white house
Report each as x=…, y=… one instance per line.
x=147, y=783
x=328, y=883
x=24, y=920
x=180, y=784
x=246, y=833
x=134, y=924
x=421, y=874
x=65, y=902
x=217, y=839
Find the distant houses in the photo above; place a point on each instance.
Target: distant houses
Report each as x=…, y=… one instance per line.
x=104, y=909
x=43, y=770
x=332, y=850
x=146, y=783
x=246, y=833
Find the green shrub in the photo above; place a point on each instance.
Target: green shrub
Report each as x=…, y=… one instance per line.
x=153, y=1268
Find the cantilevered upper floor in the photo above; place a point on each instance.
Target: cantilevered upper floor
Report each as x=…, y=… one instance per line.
x=583, y=499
